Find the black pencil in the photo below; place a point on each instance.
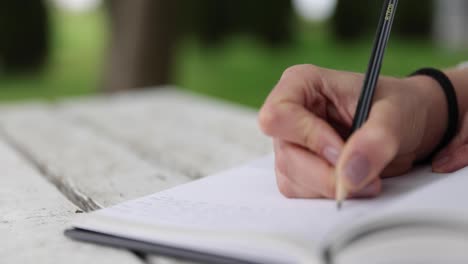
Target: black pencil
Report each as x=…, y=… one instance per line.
x=370, y=81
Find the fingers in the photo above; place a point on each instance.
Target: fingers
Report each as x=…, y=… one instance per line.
x=301, y=111
x=311, y=176
x=285, y=113
x=454, y=156
x=370, y=149
x=452, y=161
x=302, y=174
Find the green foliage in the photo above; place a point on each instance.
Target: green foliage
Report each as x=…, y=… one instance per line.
x=243, y=70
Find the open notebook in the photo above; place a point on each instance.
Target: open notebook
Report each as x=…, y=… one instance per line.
x=239, y=216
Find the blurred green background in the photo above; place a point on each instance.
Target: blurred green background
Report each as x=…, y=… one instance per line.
x=240, y=69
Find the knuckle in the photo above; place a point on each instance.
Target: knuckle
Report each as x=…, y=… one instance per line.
x=292, y=70
x=300, y=69
x=268, y=119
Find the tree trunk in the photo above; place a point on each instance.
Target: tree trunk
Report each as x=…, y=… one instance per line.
x=142, y=44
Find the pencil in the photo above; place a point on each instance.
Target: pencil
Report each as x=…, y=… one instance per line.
x=370, y=81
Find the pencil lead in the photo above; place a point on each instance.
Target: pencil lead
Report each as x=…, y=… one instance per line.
x=341, y=193
x=339, y=204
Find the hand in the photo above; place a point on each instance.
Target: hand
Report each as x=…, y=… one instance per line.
x=309, y=114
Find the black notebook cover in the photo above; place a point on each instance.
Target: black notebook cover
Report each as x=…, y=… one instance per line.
x=141, y=247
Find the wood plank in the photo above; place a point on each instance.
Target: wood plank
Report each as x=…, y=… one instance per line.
x=89, y=169
x=33, y=215
x=101, y=151
x=194, y=135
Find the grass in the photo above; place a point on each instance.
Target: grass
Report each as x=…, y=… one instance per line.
x=242, y=70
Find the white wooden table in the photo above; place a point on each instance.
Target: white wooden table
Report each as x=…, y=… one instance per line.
x=63, y=158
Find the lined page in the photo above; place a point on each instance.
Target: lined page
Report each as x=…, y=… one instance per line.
x=246, y=201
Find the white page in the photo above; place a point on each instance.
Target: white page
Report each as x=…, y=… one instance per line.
x=245, y=202
x=448, y=194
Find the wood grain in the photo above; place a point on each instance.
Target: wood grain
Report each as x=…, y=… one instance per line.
x=194, y=135
x=89, y=169
x=100, y=151
x=33, y=215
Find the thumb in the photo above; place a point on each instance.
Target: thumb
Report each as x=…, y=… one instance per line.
x=370, y=149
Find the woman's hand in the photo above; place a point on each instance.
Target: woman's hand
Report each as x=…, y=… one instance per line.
x=309, y=114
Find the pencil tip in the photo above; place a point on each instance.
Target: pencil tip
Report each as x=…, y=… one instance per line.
x=340, y=194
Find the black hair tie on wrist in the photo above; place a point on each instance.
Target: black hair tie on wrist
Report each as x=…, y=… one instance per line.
x=452, y=104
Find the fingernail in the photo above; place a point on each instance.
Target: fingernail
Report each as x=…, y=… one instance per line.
x=331, y=154
x=441, y=162
x=357, y=169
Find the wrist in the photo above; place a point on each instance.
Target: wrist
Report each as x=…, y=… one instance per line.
x=433, y=109
x=459, y=79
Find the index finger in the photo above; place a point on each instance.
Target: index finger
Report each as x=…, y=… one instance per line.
x=285, y=114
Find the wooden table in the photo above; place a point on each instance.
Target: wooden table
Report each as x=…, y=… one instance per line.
x=68, y=157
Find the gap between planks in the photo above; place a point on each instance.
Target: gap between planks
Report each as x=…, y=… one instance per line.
x=90, y=169
x=27, y=129
x=33, y=215
x=231, y=128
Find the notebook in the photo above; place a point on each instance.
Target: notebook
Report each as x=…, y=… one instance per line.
x=239, y=216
